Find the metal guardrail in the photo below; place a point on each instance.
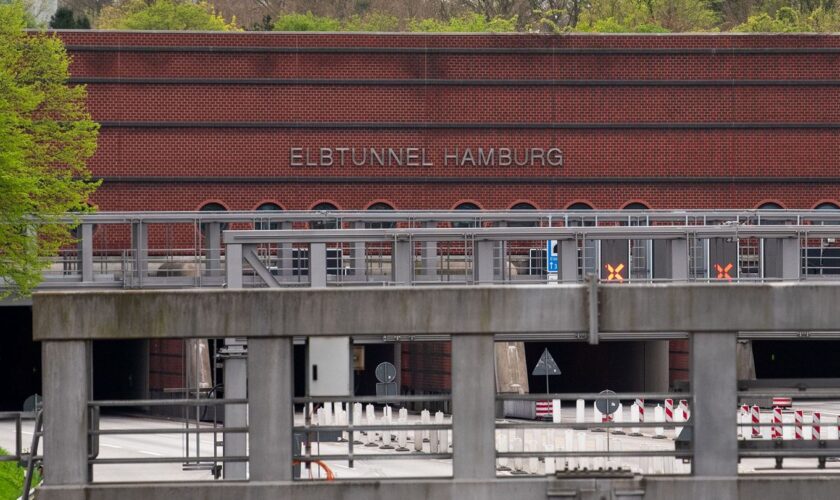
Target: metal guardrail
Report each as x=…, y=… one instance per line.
x=185, y=249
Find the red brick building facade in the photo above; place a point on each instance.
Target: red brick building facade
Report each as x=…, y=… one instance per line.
x=668, y=121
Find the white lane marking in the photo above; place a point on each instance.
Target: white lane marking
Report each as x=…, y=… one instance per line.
x=111, y=446
x=150, y=453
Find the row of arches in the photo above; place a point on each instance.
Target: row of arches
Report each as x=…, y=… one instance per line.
x=214, y=206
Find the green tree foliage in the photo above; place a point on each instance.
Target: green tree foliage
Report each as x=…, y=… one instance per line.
x=47, y=136
x=467, y=23
x=375, y=21
x=164, y=15
x=64, y=19
x=790, y=20
x=306, y=22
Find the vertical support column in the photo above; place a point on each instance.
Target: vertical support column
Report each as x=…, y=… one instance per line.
x=474, y=403
x=140, y=247
x=233, y=266
x=791, y=259
x=86, y=252
x=236, y=383
x=213, y=244
x=714, y=387
x=318, y=265
x=235, y=377
x=66, y=382
x=679, y=259
x=568, y=256
x=483, y=262
x=357, y=255
x=285, y=254
x=402, y=262
x=428, y=257
x=270, y=409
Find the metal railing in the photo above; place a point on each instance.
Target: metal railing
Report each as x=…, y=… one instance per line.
x=185, y=249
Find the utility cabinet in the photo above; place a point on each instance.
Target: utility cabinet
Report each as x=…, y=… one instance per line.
x=329, y=370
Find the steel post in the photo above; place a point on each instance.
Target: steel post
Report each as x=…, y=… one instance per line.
x=318, y=265
x=213, y=248
x=403, y=262
x=568, y=265
x=236, y=372
x=483, y=262
x=86, y=251
x=233, y=265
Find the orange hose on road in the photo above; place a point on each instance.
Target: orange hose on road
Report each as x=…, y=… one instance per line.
x=327, y=470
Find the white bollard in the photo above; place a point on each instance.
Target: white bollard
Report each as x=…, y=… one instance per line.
x=618, y=418
x=434, y=443
x=556, y=411
x=634, y=418
x=600, y=446
x=386, y=434
x=583, y=462
x=418, y=439
x=743, y=418
x=658, y=416
x=597, y=418
x=426, y=418
x=503, y=445
x=328, y=413
x=370, y=419
x=402, y=435
x=580, y=412
x=569, y=445
x=548, y=445
x=341, y=419
x=443, y=435
x=517, y=446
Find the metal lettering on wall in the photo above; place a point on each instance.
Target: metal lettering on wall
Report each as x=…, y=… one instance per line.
x=420, y=157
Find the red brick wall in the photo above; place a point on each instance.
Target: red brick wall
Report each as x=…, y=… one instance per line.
x=678, y=98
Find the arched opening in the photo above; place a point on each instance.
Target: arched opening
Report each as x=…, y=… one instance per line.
x=466, y=223
x=326, y=222
x=383, y=224
x=266, y=222
x=524, y=223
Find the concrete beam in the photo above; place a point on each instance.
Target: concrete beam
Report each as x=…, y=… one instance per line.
x=474, y=403
x=484, y=310
x=331, y=311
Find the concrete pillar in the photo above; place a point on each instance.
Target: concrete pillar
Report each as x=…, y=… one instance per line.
x=483, y=262
x=140, y=247
x=318, y=265
x=656, y=359
x=233, y=266
x=473, y=403
x=66, y=382
x=270, y=409
x=236, y=371
x=402, y=262
x=714, y=387
x=568, y=255
x=357, y=256
x=213, y=248
x=86, y=252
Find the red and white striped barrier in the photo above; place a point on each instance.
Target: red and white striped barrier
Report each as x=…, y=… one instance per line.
x=756, y=420
x=641, y=404
x=543, y=410
x=816, y=428
x=782, y=401
x=743, y=418
x=777, y=423
x=669, y=410
x=797, y=427
x=683, y=408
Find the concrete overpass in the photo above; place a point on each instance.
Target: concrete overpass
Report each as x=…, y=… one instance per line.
x=712, y=316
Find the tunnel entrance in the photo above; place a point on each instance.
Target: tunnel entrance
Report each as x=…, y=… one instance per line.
x=20, y=358
x=796, y=359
